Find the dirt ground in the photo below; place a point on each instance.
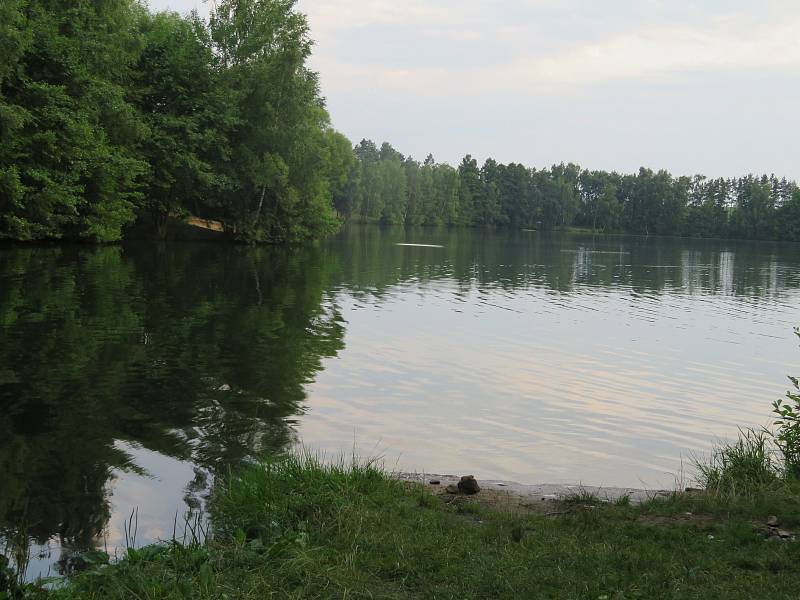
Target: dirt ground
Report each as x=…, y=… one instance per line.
x=521, y=498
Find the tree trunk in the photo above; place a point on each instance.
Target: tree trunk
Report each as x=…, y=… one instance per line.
x=257, y=216
x=160, y=220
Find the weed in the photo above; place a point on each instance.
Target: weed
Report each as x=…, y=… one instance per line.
x=744, y=467
x=581, y=498
x=623, y=501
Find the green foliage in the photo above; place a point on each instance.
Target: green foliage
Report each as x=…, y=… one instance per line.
x=109, y=112
x=787, y=436
x=174, y=89
x=741, y=468
x=759, y=459
x=280, y=145
x=581, y=497
x=11, y=588
x=564, y=195
x=788, y=218
x=297, y=528
x=68, y=167
x=8, y=580
x=279, y=499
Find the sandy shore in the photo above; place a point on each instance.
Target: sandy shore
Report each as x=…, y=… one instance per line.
x=533, y=497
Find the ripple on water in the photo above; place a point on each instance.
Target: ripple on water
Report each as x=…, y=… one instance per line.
x=528, y=358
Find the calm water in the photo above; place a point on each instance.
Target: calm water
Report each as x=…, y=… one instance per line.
x=130, y=376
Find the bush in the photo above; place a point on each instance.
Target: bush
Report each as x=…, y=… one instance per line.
x=787, y=437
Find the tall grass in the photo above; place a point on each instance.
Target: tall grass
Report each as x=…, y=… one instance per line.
x=273, y=499
x=744, y=467
x=304, y=528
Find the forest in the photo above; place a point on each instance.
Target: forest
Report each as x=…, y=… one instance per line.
x=385, y=186
x=117, y=120
x=112, y=114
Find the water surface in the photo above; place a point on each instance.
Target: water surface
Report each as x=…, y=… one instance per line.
x=131, y=375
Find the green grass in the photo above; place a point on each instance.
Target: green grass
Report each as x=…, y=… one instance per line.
x=747, y=466
x=297, y=529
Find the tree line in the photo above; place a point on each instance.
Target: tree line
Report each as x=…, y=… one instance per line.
x=385, y=186
x=111, y=113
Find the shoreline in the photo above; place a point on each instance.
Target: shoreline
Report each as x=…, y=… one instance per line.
x=297, y=527
x=532, y=495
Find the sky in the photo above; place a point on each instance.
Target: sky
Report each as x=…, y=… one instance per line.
x=707, y=86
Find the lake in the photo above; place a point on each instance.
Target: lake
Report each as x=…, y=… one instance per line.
x=132, y=375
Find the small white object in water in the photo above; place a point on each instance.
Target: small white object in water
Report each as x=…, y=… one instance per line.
x=421, y=245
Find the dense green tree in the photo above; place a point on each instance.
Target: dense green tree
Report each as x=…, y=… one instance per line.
x=340, y=163
x=413, y=192
x=277, y=160
x=491, y=211
x=609, y=209
x=426, y=209
x=174, y=89
x=515, y=194
x=392, y=182
x=15, y=37
x=567, y=180
x=707, y=210
x=368, y=193
x=592, y=184
x=646, y=203
x=67, y=163
x=788, y=218
x=470, y=191
x=109, y=112
x=445, y=202
x=755, y=205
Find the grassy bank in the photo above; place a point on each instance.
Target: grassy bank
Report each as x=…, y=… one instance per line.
x=297, y=529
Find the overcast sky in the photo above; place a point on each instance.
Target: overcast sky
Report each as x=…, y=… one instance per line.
x=709, y=86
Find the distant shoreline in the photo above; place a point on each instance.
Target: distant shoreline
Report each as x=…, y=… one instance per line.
x=195, y=229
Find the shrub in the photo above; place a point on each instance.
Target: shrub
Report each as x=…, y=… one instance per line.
x=787, y=437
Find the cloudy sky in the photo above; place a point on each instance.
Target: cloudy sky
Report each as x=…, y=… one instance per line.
x=707, y=86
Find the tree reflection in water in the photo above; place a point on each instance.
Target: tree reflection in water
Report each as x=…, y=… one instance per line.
x=195, y=352
x=202, y=353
